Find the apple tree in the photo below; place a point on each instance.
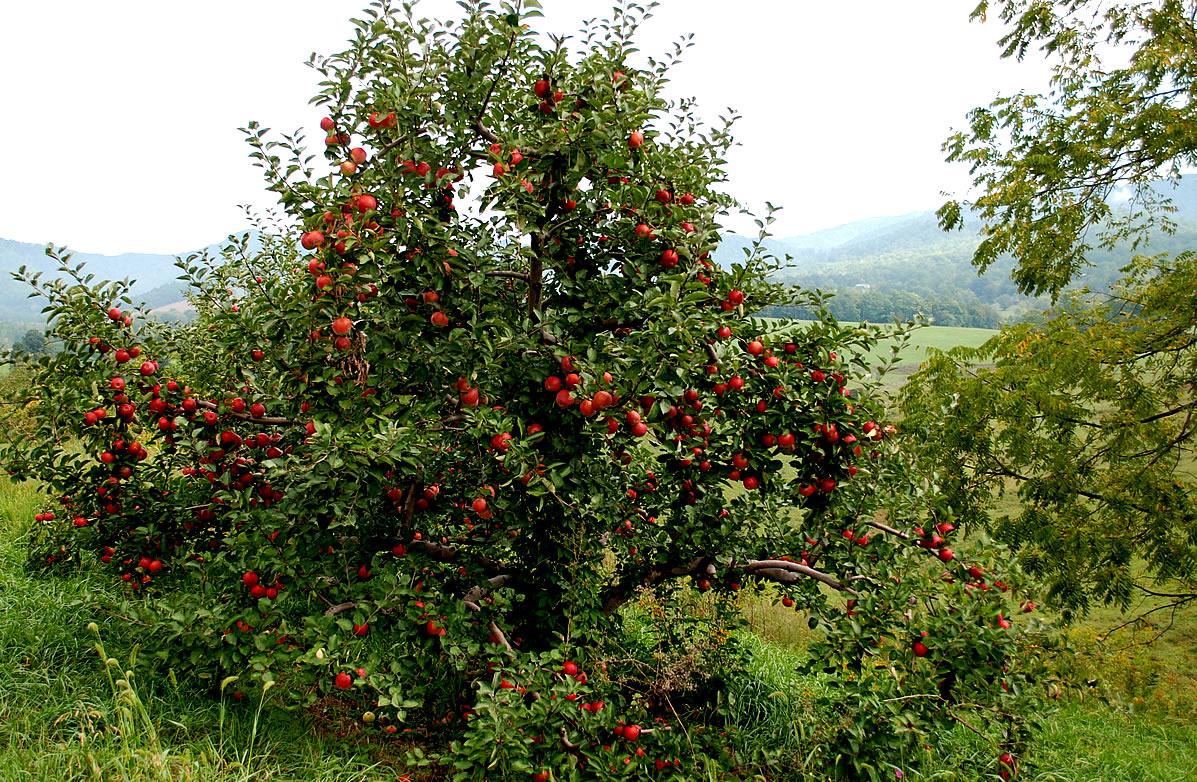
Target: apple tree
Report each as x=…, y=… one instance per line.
x=483, y=394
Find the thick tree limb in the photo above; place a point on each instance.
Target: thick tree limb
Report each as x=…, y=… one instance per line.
x=787, y=572
x=507, y=273
x=780, y=570
x=500, y=638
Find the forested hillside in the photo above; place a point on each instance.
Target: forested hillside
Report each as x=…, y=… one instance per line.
x=889, y=268
x=879, y=269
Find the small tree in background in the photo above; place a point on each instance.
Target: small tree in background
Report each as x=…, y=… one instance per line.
x=32, y=342
x=426, y=459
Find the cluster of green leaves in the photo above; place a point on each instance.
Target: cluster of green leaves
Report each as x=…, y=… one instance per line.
x=1048, y=166
x=1089, y=417
x=498, y=390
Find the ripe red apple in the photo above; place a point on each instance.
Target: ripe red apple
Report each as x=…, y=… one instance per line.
x=631, y=732
x=755, y=348
x=570, y=668
x=310, y=240
x=669, y=258
x=439, y=319
x=326, y=124
x=636, y=140
x=919, y=648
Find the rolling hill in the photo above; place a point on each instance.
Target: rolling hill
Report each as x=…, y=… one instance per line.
x=879, y=268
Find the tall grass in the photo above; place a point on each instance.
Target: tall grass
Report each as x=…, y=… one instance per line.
x=71, y=709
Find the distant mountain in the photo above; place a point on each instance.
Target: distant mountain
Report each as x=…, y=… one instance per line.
x=893, y=267
x=155, y=276
x=880, y=268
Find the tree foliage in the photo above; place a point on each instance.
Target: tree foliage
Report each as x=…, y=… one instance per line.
x=429, y=459
x=1090, y=416
x=1047, y=165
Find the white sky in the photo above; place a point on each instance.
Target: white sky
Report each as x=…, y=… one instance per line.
x=119, y=127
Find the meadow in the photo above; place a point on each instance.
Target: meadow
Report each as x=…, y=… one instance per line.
x=71, y=710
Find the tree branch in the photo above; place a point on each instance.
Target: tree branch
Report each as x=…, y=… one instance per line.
x=264, y=420
x=787, y=572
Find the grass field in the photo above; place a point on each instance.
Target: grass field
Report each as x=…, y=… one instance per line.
x=918, y=347
x=937, y=338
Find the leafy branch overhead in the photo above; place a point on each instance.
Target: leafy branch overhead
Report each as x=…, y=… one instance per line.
x=1057, y=175
x=1088, y=417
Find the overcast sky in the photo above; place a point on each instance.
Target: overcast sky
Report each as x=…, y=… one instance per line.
x=119, y=128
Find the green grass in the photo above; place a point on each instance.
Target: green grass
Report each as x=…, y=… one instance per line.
x=918, y=347
x=937, y=338
x=69, y=712
x=922, y=341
